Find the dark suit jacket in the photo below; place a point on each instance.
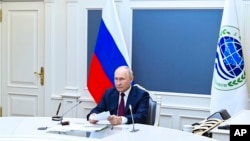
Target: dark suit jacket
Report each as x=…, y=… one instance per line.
x=138, y=99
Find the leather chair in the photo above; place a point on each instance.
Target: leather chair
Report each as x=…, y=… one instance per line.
x=151, y=111
x=154, y=107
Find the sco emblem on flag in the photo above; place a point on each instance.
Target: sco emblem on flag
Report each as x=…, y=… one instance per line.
x=229, y=63
x=239, y=132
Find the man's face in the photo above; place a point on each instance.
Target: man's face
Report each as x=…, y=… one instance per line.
x=122, y=79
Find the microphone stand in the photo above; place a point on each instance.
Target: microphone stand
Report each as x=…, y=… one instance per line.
x=133, y=130
x=66, y=122
x=56, y=117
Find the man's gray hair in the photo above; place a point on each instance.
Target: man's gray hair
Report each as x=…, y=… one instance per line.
x=127, y=68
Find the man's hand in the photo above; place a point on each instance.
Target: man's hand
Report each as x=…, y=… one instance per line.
x=91, y=120
x=115, y=120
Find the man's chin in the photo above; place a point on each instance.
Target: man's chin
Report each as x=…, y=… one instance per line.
x=119, y=89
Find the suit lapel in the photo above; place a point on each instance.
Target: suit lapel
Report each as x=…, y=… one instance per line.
x=130, y=99
x=114, y=101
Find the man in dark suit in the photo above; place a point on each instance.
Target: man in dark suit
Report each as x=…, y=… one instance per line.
x=134, y=96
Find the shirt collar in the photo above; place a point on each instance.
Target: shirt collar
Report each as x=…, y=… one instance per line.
x=127, y=91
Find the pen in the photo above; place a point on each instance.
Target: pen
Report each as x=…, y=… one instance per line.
x=112, y=127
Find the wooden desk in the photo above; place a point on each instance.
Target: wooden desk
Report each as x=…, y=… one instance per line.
x=240, y=118
x=26, y=129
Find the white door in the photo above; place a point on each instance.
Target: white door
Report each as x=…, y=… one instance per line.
x=22, y=58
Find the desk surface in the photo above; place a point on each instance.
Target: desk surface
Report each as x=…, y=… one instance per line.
x=26, y=129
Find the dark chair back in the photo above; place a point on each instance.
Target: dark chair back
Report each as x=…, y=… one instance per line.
x=151, y=112
x=154, y=108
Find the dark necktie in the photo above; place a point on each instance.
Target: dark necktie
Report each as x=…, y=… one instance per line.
x=121, y=108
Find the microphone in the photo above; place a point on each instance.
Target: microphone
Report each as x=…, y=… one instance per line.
x=61, y=117
x=59, y=106
x=56, y=117
x=133, y=130
x=72, y=108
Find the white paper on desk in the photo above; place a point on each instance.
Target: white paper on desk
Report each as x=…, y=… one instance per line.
x=101, y=116
x=77, y=127
x=59, y=128
x=94, y=127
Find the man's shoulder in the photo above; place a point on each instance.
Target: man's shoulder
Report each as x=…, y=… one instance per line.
x=111, y=90
x=138, y=90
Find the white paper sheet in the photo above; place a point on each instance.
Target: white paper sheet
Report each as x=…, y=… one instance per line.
x=77, y=127
x=101, y=116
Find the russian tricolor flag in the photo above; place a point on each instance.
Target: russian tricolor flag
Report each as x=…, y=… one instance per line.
x=110, y=52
